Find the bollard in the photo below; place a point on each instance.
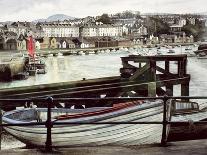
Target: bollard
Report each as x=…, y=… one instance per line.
x=48, y=125
x=164, y=122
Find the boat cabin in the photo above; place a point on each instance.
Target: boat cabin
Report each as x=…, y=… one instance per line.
x=184, y=107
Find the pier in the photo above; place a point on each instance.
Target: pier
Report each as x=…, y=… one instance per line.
x=146, y=78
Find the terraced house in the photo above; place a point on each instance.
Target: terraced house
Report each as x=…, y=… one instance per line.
x=60, y=30
x=102, y=30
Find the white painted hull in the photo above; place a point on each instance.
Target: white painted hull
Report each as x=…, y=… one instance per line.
x=94, y=135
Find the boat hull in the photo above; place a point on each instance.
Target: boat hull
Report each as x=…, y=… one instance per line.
x=96, y=135
x=190, y=131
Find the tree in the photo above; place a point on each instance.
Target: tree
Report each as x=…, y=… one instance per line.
x=196, y=30
x=156, y=26
x=105, y=19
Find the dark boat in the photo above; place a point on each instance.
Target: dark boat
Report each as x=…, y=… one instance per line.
x=21, y=76
x=201, y=49
x=188, y=112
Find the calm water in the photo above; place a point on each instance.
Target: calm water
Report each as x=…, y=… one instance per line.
x=72, y=68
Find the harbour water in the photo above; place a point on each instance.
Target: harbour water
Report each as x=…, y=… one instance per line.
x=77, y=67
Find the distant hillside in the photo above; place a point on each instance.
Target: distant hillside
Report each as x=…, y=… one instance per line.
x=56, y=17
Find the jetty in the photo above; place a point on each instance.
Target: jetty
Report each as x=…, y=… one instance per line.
x=143, y=78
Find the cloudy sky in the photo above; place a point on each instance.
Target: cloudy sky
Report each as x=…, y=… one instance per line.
x=20, y=10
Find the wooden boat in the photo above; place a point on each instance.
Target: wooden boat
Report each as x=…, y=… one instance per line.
x=91, y=135
x=36, y=65
x=188, y=112
x=171, y=51
x=188, y=48
x=21, y=76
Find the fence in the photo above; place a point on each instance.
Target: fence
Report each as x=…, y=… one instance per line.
x=50, y=101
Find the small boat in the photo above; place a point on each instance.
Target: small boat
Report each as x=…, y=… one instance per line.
x=80, y=53
x=21, y=76
x=115, y=50
x=91, y=52
x=41, y=71
x=159, y=52
x=107, y=51
x=90, y=135
x=36, y=65
x=188, y=48
x=202, y=56
x=60, y=54
x=32, y=72
x=50, y=55
x=188, y=112
x=171, y=51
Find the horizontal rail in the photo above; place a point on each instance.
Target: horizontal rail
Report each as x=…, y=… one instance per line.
x=100, y=99
x=102, y=123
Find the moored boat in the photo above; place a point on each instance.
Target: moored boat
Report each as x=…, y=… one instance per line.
x=91, y=135
x=188, y=112
x=171, y=51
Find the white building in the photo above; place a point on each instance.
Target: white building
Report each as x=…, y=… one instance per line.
x=182, y=22
x=142, y=30
x=102, y=30
x=90, y=31
x=110, y=30
x=37, y=45
x=192, y=21
x=60, y=30
x=18, y=28
x=125, y=30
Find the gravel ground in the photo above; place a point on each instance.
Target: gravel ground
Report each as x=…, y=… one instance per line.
x=9, y=142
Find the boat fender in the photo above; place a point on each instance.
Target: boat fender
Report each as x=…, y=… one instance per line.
x=37, y=114
x=192, y=127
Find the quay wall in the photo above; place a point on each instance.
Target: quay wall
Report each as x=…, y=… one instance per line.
x=10, y=68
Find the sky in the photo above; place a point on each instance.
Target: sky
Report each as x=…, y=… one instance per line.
x=28, y=10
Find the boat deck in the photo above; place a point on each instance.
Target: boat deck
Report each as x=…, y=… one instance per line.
x=197, y=147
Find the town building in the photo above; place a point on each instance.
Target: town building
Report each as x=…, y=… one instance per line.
x=138, y=30
x=89, y=31
x=110, y=30
x=191, y=21
x=106, y=42
x=21, y=43
x=182, y=22
x=102, y=30
x=60, y=30
x=176, y=28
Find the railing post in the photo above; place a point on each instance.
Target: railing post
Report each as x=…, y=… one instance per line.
x=48, y=125
x=164, y=122
x=1, y=124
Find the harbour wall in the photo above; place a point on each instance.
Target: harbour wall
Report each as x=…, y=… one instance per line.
x=10, y=67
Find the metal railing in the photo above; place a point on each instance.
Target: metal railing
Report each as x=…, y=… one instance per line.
x=70, y=101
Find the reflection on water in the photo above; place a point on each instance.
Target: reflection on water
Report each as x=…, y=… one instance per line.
x=72, y=68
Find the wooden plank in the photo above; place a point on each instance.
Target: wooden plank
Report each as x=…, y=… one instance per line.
x=152, y=89
x=58, y=86
x=139, y=72
x=167, y=66
x=155, y=58
x=160, y=91
x=169, y=90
